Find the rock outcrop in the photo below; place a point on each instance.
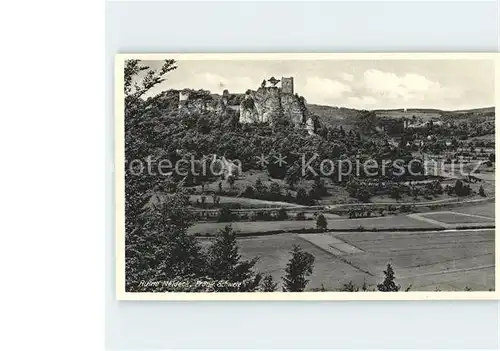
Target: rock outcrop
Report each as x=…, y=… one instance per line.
x=310, y=126
x=270, y=104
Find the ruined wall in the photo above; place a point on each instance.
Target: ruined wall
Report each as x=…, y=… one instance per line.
x=292, y=109
x=248, y=111
x=199, y=102
x=268, y=104
x=310, y=126
x=287, y=85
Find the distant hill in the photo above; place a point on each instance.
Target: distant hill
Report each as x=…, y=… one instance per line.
x=346, y=117
x=475, y=110
x=332, y=115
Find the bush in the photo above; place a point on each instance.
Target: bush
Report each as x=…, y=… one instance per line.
x=481, y=191
x=395, y=193
x=264, y=216
x=225, y=215
x=301, y=216
x=321, y=222
x=282, y=214
x=275, y=192
x=249, y=192
x=461, y=189
x=406, y=209
x=252, y=216
x=349, y=287
x=268, y=284
x=302, y=197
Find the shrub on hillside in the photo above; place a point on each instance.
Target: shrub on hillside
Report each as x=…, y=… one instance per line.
x=321, y=222
x=301, y=216
x=248, y=192
x=282, y=214
x=462, y=189
x=481, y=191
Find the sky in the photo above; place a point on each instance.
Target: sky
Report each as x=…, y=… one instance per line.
x=361, y=84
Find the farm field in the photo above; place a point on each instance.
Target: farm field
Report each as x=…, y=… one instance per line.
x=274, y=255
x=456, y=217
x=426, y=261
x=443, y=260
x=487, y=210
x=251, y=227
x=379, y=223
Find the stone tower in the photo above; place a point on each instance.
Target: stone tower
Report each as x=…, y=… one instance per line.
x=287, y=85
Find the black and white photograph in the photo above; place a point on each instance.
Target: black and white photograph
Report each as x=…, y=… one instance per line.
x=289, y=173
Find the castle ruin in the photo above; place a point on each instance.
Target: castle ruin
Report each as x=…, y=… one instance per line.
x=269, y=103
x=287, y=85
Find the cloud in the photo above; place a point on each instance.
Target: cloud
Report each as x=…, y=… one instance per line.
x=216, y=83
x=362, y=102
x=410, y=87
x=347, y=77
x=323, y=90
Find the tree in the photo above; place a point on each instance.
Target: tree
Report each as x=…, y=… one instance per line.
x=461, y=189
x=301, y=196
x=321, y=222
x=282, y=214
x=492, y=157
x=395, y=192
x=481, y=191
x=225, y=214
x=216, y=199
x=297, y=270
x=225, y=264
x=275, y=191
x=158, y=247
x=152, y=78
x=249, y=192
x=231, y=179
x=388, y=284
x=349, y=287
x=301, y=216
x=318, y=188
x=268, y=284
x=293, y=175
x=260, y=188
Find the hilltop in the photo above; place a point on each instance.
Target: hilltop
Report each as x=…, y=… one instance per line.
x=346, y=117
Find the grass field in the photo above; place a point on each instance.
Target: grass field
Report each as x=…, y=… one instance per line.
x=444, y=260
x=424, y=260
x=487, y=210
x=456, y=217
x=274, y=256
x=380, y=223
x=251, y=227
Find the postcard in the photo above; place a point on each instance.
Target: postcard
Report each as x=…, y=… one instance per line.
x=305, y=176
